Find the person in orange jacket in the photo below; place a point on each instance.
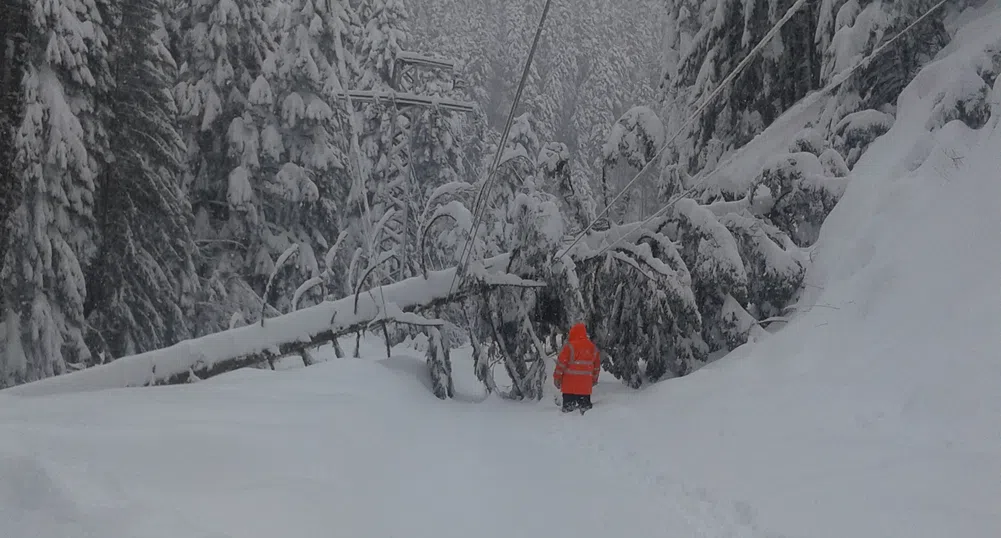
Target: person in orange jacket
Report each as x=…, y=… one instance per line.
x=577, y=370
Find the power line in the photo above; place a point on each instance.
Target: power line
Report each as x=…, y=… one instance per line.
x=479, y=207
x=839, y=80
x=694, y=116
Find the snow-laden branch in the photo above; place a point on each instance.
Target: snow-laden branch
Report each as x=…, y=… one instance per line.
x=596, y=243
x=303, y=288
x=393, y=313
x=282, y=260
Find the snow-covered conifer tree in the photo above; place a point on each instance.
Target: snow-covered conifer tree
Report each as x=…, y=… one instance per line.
x=634, y=142
x=303, y=177
x=520, y=218
x=436, y=157
x=536, y=229
x=793, y=193
x=852, y=29
x=386, y=34
x=141, y=286
x=516, y=173
x=50, y=233
x=562, y=179
x=640, y=308
x=774, y=274
x=222, y=45
x=709, y=40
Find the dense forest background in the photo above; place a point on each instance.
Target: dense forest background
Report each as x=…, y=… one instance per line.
x=174, y=168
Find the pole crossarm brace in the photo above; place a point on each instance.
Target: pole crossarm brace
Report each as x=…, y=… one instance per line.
x=403, y=100
x=413, y=58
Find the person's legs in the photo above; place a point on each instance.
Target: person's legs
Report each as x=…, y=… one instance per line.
x=573, y=402
x=569, y=402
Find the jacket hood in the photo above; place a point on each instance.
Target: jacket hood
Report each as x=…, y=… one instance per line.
x=578, y=332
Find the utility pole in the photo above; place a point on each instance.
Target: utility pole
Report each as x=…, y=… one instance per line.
x=406, y=65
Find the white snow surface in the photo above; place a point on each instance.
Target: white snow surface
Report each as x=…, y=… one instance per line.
x=874, y=413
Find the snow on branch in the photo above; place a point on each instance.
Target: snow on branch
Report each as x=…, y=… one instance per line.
x=305, y=287
x=393, y=313
x=454, y=210
x=596, y=243
x=486, y=275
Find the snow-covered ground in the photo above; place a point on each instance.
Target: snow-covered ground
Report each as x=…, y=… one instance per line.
x=875, y=413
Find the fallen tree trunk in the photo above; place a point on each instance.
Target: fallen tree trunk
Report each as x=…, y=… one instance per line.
x=282, y=336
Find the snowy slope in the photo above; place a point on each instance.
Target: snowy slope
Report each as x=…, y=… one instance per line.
x=875, y=413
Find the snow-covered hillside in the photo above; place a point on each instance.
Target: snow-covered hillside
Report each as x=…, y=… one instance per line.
x=874, y=413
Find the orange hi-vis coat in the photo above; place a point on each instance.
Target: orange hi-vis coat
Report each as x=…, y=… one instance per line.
x=578, y=365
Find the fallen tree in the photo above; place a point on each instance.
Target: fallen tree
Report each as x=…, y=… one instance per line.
x=640, y=288
x=288, y=335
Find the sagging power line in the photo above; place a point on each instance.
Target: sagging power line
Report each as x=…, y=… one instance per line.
x=839, y=80
x=479, y=206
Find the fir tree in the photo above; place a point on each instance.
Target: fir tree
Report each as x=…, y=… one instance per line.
x=725, y=32
x=386, y=34
x=222, y=46
x=438, y=154
x=303, y=174
x=633, y=143
x=793, y=193
x=141, y=286
x=535, y=227
x=859, y=27
x=50, y=233
x=562, y=179
x=587, y=74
